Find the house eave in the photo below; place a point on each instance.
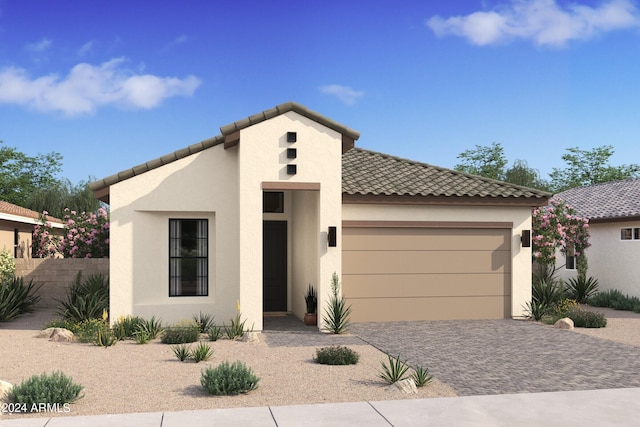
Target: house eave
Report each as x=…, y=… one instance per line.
x=530, y=202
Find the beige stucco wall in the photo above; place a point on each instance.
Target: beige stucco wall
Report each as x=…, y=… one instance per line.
x=519, y=216
x=203, y=185
x=263, y=158
x=614, y=262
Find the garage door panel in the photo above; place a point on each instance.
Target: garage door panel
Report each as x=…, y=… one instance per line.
x=424, y=285
x=414, y=239
x=415, y=262
x=445, y=308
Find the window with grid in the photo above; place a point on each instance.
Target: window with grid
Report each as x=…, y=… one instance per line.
x=188, y=257
x=630, y=233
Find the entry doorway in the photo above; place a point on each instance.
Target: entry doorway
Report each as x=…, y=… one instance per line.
x=274, y=266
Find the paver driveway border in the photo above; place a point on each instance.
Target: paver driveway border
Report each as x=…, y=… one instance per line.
x=479, y=357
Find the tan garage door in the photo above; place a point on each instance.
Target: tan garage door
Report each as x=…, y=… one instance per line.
x=402, y=273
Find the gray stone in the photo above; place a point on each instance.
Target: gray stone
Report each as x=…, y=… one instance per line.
x=5, y=388
x=251, y=337
x=406, y=386
x=564, y=323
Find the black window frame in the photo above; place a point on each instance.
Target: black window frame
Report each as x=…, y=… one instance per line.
x=201, y=261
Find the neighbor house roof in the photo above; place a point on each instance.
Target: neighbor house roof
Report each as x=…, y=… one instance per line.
x=609, y=201
x=368, y=173
x=15, y=213
x=229, y=136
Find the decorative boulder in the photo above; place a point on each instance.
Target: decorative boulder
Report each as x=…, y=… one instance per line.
x=5, y=388
x=57, y=335
x=251, y=337
x=564, y=323
x=406, y=386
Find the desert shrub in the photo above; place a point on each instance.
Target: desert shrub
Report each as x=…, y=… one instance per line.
x=201, y=352
x=585, y=318
x=87, y=330
x=228, y=379
x=61, y=323
x=126, y=326
x=181, y=351
x=236, y=328
x=181, y=333
x=561, y=308
x=16, y=298
x=105, y=337
x=204, y=321
x=336, y=355
x=421, y=376
x=394, y=370
x=336, y=316
x=51, y=389
x=615, y=299
x=85, y=299
x=151, y=328
x=581, y=288
x=214, y=333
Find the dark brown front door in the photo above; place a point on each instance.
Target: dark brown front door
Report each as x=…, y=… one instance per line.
x=274, y=265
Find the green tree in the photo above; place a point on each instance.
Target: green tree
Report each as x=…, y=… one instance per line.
x=487, y=161
x=63, y=194
x=21, y=175
x=589, y=167
x=521, y=174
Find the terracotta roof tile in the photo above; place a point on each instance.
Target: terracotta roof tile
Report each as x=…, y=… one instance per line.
x=11, y=209
x=609, y=200
x=367, y=172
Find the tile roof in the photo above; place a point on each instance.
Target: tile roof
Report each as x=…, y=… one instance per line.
x=225, y=130
x=11, y=209
x=609, y=200
x=367, y=172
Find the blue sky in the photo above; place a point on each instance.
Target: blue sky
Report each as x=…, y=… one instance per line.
x=110, y=85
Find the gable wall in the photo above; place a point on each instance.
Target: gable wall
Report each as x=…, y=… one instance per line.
x=263, y=158
x=203, y=185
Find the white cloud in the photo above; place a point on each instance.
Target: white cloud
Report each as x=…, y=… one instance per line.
x=86, y=48
x=346, y=94
x=542, y=21
x=40, y=46
x=88, y=87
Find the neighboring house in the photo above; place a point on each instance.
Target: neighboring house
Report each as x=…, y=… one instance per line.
x=16, y=228
x=282, y=199
x=613, y=209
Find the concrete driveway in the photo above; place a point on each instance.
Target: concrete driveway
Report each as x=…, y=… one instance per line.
x=480, y=357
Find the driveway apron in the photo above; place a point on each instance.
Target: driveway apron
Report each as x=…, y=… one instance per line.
x=478, y=357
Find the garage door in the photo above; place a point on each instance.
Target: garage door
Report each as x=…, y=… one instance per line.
x=426, y=273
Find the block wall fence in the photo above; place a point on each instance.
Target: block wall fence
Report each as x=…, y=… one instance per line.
x=56, y=274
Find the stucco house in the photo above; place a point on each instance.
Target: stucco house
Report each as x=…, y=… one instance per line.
x=16, y=228
x=283, y=199
x=613, y=209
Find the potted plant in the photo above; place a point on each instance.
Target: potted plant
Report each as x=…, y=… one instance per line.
x=311, y=317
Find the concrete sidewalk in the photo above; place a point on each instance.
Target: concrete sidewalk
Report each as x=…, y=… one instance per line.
x=611, y=407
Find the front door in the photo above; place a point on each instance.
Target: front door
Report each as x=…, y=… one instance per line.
x=274, y=265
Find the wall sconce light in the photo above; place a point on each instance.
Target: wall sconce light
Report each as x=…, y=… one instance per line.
x=292, y=136
x=525, y=238
x=292, y=153
x=292, y=169
x=332, y=237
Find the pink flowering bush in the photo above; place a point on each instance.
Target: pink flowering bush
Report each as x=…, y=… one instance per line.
x=86, y=235
x=557, y=227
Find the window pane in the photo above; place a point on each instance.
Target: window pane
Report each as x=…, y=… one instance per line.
x=636, y=233
x=188, y=262
x=625, y=234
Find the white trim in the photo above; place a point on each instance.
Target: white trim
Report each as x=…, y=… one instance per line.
x=27, y=220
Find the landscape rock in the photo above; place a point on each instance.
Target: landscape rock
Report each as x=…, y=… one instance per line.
x=406, y=386
x=5, y=388
x=564, y=323
x=251, y=337
x=60, y=335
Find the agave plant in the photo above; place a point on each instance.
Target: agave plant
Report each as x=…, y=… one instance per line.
x=582, y=288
